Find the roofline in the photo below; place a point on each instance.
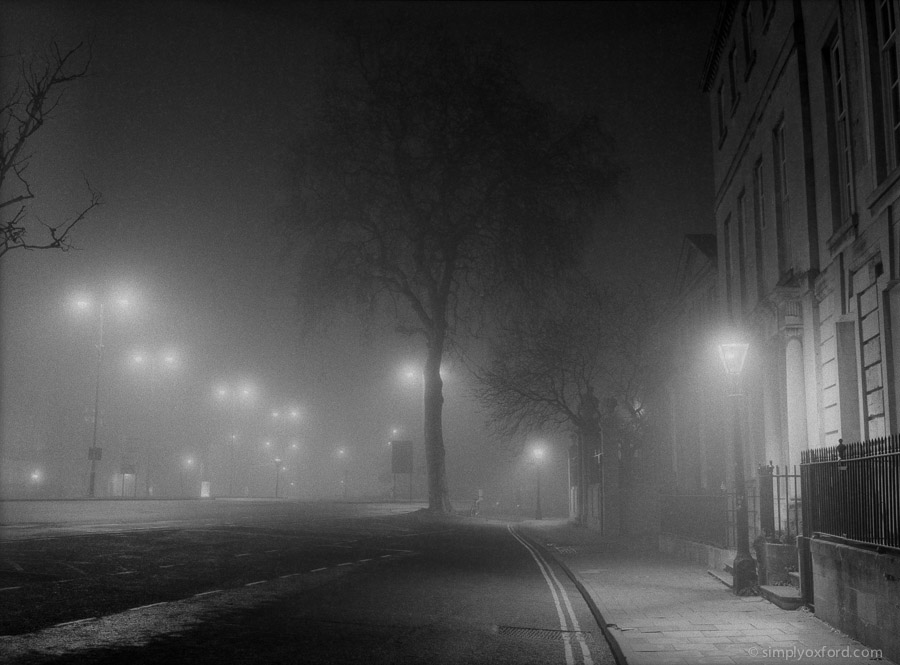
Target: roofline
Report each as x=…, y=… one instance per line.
x=727, y=9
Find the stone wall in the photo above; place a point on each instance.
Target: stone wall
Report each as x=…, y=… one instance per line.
x=858, y=592
x=714, y=558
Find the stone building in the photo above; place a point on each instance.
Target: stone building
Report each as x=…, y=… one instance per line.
x=806, y=130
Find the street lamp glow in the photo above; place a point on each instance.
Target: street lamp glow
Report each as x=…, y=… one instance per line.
x=537, y=453
x=189, y=462
x=36, y=476
x=733, y=356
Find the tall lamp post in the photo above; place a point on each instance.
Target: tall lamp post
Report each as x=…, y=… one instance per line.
x=744, y=577
x=278, y=470
x=342, y=456
x=537, y=454
x=85, y=305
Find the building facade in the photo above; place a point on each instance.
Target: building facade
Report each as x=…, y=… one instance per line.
x=805, y=100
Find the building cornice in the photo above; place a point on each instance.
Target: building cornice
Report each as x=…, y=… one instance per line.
x=724, y=20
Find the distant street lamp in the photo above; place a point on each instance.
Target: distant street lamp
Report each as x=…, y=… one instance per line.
x=537, y=454
x=342, y=456
x=232, y=396
x=87, y=305
x=278, y=470
x=151, y=365
x=744, y=576
x=188, y=464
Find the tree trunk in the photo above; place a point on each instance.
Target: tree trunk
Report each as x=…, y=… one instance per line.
x=438, y=495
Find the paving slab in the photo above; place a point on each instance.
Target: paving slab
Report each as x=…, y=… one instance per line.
x=657, y=609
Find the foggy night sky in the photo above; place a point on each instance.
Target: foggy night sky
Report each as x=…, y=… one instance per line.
x=181, y=126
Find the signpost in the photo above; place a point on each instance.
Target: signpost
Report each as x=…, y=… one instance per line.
x=402, y=462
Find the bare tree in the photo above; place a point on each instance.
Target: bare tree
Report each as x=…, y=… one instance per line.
x=577, y=362
x=431, y=180
x=25, y=110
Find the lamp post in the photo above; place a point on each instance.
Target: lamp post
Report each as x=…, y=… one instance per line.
x=537, y=454
x=84, y=305
x=231, y=396
x=342, y=456
x=744, y=566
x=188, y=464
x=151, y=366
x=277, y=474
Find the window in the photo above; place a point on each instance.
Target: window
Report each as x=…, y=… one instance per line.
x=759, y=223
x=839, y=135
x=749, y=51
x=720, y=110
x=782, y=198
x=729, y=265
x=732, y=79
x=890, y=77
x=741, y=248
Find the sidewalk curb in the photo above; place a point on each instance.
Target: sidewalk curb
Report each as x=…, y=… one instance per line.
x=622, y=652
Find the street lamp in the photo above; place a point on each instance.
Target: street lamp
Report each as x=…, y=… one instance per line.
x=342, y=455
x=537, y=454
x=232, y=396
x=278, y=470
x=84, y=304
x=151, y=366
x=744, y=577
x=188, y=464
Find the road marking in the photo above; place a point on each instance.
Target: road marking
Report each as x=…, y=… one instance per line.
x=168, y=565
x=348, y=563
x=72, y=623
x=245, y=554
x=270, y=551
x=206, y=593
x=362, y=560
x=143, y=607
x=555, y=584
x=71, y=579
x=386, y=556
x=125, y=572
x=15, y=565
x=255, y=583
x=289, y=575
x=316, y=570
x=10, y=588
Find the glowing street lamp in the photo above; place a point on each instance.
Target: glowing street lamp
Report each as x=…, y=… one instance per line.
x=232, y=395
x=188, y=464
x=342, y=456
x=744, y=574
x=87, y=305
x=537, y=455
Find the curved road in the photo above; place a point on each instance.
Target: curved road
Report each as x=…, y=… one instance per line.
x=280, y=582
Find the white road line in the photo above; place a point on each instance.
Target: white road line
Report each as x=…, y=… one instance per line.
x=244, y=554
x=143, y=607
x=386, y=556
x=316, y=570
x=363, y=560
x=289, y=575
x=72, y=623
x=585, y=650
x=270, y=551
x=206, y=593
x=10, y=588
x=168, y=565
x=125, y=572
x=563, y=625
x=255, y=583
x=346, y=563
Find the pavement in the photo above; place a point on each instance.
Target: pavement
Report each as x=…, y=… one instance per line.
x=656, y=609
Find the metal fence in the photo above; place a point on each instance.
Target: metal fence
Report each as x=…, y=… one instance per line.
x=780, y=512
x=853, y=491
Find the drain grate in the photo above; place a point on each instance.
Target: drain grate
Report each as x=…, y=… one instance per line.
x=543, y=633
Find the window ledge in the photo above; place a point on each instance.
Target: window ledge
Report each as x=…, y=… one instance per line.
x=843, y=235
x=875, y=200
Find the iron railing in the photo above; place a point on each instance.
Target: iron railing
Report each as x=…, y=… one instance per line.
x=780, y=512
x=853, y=491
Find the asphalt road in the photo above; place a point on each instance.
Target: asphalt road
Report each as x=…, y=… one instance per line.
x=280, y=582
